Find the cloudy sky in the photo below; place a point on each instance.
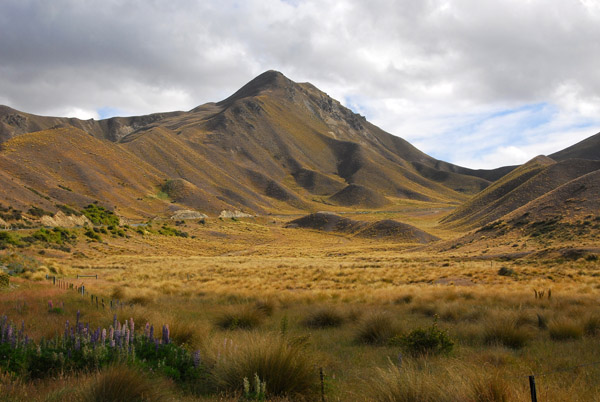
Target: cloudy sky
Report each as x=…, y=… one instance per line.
x=477, y=83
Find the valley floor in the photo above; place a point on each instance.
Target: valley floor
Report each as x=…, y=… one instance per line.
x=356, y=308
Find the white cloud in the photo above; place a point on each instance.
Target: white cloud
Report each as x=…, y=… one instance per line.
x=434, y=72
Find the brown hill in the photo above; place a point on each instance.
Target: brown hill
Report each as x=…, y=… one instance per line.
x=355, y=195
x=328, y=222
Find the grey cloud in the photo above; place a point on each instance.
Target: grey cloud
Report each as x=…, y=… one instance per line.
x=434, y=55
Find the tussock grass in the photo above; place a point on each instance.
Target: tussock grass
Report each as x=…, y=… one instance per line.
x=324, y=317
x=240, y=317
x=591, y=325
x=565, y=330
x=376, y=329
x=506, y=332
x=124, y=384
x=287, y=367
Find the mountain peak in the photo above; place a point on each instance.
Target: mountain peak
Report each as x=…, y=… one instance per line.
x=270, y=79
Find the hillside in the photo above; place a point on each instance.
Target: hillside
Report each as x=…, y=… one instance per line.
x=586, y=149
x=534, y=179
x=274, y=145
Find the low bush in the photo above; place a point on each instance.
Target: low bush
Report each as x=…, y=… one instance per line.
x=100, y=216
x=429, y=341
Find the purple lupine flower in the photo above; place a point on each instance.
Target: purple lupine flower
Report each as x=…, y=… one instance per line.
x=165, y=334
x=78, y=315
x=151, y=332
x=103, y=335
x=112, y=343
x=26, y=339
x=196, y=358
x=115, y=321
x=126, y=337
x=147, y=330
x=9, y=332
x=67, y=329
x=111, y=333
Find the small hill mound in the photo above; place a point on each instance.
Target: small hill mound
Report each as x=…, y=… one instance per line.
x=398, y=230
x=355, y=195
x=390, y=229
x=327, y=222
x=317, y=183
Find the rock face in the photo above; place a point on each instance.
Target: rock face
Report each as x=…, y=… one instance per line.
x=63, y=220
x=3, y=224
x=234, y=214
x=184, y=214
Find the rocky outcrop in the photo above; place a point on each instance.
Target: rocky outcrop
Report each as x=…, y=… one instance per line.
x=234, y=214
x=65, y=221
x=184, y=214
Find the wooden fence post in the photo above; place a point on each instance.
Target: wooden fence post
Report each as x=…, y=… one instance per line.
x=532, y=388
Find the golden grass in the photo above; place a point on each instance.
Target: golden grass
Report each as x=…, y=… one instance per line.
x=288, y=276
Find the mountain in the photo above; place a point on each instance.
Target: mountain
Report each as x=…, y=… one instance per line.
x=274, y=145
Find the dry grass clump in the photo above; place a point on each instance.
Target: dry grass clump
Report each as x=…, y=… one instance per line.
x=123, y=384
x=506, y=332
x=490, y=387
x=267, y=306
x=376, y=329
x=429, y=383
x=286, y=367
x=565, y=330
x=405, y=384
x=591, y=325
x=324, y=317
x=240, y=317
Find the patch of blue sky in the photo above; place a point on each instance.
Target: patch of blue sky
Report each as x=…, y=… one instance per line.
x=356, y=104
x=107, y=112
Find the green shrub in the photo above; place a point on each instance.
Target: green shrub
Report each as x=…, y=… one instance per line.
x=170, y=231
x=8, y=239
x=325, y=317
x=4, y=280
x=93, y=235
x=376, y=329
x=430, y=341
x=38, y=212
x=100, y=216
